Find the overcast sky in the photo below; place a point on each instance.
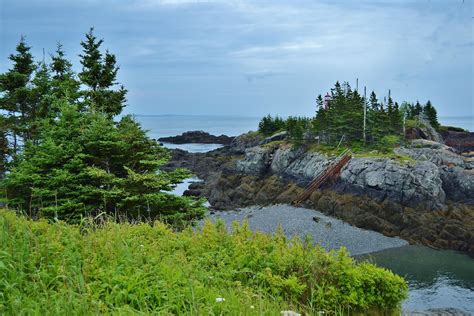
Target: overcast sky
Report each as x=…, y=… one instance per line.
x=255, y=57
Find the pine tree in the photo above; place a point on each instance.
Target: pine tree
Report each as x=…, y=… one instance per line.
x=4, y=147
x=15, y=93
x=99, y=75
x=40, y=101
x=431, y=114
x=391, y=116
x=373, y=118
x=86, y=164
x=417, y=110
x=64, y=83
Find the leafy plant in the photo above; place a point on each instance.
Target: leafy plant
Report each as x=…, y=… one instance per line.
x=55, y=268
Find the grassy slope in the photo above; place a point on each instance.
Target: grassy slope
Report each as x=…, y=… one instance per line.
x=122, y=268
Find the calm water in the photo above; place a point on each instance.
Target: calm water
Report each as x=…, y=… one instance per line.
x=172, y=125
x=466, y=122
x=437, y=279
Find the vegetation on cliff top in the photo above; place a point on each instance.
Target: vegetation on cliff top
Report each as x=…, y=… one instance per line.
x=340, y=120
x=56, y=268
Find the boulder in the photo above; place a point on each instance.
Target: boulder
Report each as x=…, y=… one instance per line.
x=240, y=143
x=275, y=137
x=437, y=153
x=257, y=161
x=405, y=183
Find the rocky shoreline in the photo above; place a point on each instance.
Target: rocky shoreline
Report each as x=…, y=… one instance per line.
x=326, y=231
x=197, y=137
x=426, y=198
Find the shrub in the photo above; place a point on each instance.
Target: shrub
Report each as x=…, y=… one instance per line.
x=124, y=268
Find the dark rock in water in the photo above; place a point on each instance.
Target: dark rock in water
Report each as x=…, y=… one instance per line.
x=462, y=141
x=315, y=219
x=200, y=137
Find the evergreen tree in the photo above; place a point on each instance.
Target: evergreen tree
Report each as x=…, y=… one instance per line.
x=430, y=112
x=15, y=93
x=86, y=164
x=99, y=75
x=373, y=122
x=4, y=148
x=64, y=83
x=417, y=110
x=397, y=119
x=391, y=116
x=41, y=100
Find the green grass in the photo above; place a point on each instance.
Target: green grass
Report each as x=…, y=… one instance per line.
x=56, y=268
x=276, y=143
x=360, y=152
x=443, y=128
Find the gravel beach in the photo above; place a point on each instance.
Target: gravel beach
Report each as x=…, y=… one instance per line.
x=331, y=233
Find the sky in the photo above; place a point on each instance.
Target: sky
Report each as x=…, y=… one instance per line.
x=250, y=58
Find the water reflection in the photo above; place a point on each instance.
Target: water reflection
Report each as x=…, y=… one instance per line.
x=436, y=278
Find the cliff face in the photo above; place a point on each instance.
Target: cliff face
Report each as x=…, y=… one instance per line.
x=435, y=173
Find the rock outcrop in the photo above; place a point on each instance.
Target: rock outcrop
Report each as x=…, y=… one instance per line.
x=244, y=141
x=424, y=130
x=200, y=137
x=425, y=197
x=462, y=141
x=423, y=181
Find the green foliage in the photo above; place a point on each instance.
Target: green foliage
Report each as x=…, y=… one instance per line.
x=148, y=268
x=431, y=114
x=388, y=142
x=64, y=84
x=269, y=125
x=443, y=128
x=87, y=164
x=15, y=94
x=294, y=126
x=99, y=75
x=4, y=146
x=61, y=154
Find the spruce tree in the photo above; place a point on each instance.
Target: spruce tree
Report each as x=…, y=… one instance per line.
x=4, y=147
x=373, y=118
x=41, y=101
x=64, y=83
x=15, y=93
x=99, y=74
x=430, y=112
x=87, y=164
x=417, y=110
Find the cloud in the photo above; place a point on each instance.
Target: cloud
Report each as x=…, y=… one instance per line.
x=277, y=49
x=261, y=75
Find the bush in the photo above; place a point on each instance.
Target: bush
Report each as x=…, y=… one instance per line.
x=388, y=142
x=124, y=268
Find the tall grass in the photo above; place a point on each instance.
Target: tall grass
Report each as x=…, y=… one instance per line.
x=56, y=268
